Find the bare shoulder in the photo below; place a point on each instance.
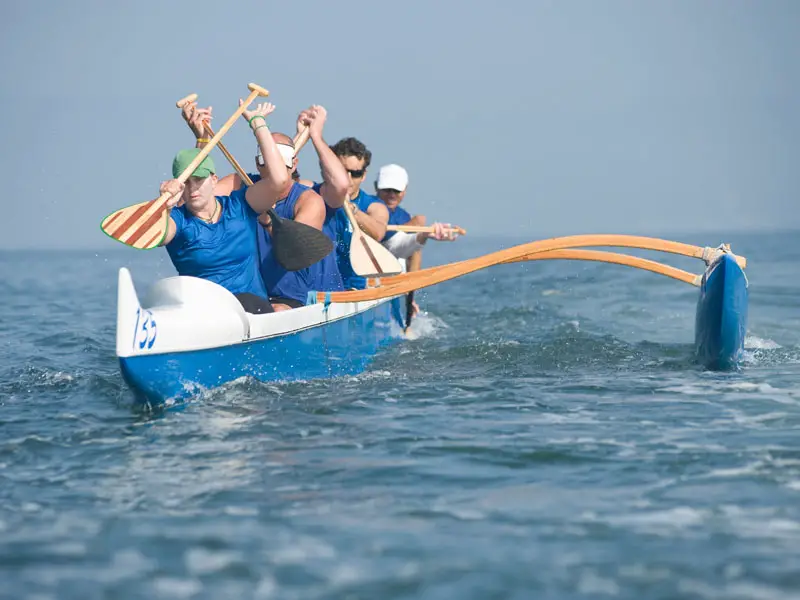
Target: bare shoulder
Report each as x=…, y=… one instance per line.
x=309, y=198
x=306, y=182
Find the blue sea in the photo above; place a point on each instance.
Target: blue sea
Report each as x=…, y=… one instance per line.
x=545, y=435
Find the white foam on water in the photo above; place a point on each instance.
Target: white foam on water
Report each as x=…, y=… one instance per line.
x=128, y=563
x=177, y=587
x=688, y=390
x=57, y=377
x=460, y=513
x=425, y=325
x=753, y=342
x=750, y=469
x=747, y=389
x=747, y=386
x=200, y=561
x=660, y=522
x=301, y=551
x=760, y=523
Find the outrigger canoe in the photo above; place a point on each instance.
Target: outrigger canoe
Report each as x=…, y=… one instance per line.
x=187, y=335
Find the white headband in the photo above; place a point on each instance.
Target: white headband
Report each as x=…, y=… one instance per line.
x=287, y=152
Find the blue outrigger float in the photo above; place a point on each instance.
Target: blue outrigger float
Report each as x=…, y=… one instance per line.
x=188, y=335
x=721, y=318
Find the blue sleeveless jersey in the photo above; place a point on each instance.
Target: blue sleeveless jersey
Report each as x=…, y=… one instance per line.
x=321, y=276
x=223, y=252
x=329, y=277
x=398, y=216
x=344, y=235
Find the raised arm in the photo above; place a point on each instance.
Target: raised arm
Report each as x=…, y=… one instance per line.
x=334, y=176
x=264, y=193
x=229, y=183
x=196, y=119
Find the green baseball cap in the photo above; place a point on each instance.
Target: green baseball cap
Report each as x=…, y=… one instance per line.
x=184, y=158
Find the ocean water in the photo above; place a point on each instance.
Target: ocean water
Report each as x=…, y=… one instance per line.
x=546, y=435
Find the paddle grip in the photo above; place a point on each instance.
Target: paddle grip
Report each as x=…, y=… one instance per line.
x=185, y=99
x=215, y=140
x=253, y=87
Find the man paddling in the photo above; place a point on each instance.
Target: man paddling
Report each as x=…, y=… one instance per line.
x=370, y=213
x=390, y=187
x=289, y=289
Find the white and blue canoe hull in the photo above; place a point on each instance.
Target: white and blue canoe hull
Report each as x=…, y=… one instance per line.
x=188, y=335
x=721, y=317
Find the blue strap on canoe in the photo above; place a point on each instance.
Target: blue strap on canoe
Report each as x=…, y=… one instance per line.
x=311, y=298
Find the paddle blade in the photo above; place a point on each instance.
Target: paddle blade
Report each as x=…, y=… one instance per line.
x=409, y=309
x=370, y=259
x=297, y=245
x=141, y=226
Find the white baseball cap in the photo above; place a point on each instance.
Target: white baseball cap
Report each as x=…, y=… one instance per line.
x=392, y=177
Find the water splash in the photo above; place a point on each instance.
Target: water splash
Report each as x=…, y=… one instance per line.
x=426, y=325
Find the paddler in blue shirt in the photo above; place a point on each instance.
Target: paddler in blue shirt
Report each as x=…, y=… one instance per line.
x=390, y=186
x=370, y=213
x=214, y=236
x=289, y=289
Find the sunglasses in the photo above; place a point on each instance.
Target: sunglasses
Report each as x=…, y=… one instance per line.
x=356, y=173
x=390, y=191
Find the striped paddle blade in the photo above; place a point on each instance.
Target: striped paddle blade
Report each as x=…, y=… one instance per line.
x=141, y=226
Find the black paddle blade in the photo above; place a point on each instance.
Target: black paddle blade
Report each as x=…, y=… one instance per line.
x=297, y=245
x=409, y=309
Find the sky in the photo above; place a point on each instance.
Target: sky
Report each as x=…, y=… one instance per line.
x=529, y=118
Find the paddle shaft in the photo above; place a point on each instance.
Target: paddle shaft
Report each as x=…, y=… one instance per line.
x=299, y=141
x=424, y=229
x=215, y=140
x=235, y=163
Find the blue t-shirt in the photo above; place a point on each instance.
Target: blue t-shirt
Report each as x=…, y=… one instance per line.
x=344, y=235
x=398, y=216
x=321, y=276
x=223, y=252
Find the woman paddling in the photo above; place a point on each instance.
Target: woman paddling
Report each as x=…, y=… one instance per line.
x=214, y=237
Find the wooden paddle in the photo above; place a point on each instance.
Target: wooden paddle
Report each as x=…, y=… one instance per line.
x=296, y=245
x=144, y=226
x=368, y=257
x=392, y=286
x=424, y=229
